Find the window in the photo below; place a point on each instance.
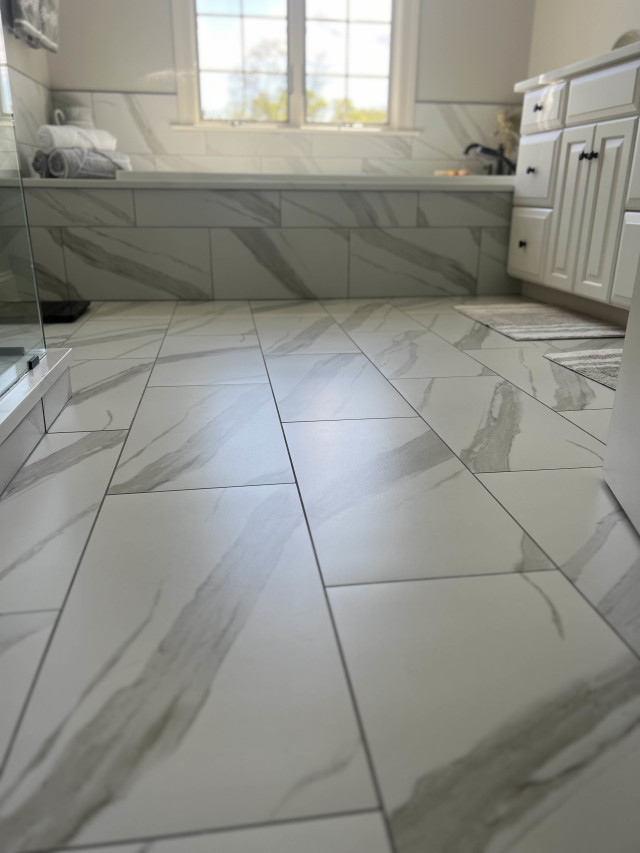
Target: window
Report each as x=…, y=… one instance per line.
x=331, y=63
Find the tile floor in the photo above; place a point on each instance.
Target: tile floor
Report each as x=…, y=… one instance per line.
x=298, y=577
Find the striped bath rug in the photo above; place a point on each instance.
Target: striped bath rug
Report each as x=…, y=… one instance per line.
x=601, y=365
x=536, y=321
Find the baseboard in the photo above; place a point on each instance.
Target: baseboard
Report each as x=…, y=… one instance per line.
x=599, y=310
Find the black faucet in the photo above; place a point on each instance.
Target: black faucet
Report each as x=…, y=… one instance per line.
x=498, y=155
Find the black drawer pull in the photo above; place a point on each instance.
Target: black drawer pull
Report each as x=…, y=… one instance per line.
x=583, y=156
x=592, y=155
x=530, y=170
x=538, y=107
x=522, y=244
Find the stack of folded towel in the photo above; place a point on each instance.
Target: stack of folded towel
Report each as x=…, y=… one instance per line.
x=67, y=151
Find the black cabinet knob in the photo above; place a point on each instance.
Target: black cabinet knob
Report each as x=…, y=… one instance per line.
x=530, y=170
x=522, y=244
x=592, y=155
x=538, y=107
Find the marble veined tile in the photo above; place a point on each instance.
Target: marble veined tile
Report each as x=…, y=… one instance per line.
x=212, y=318
x=205, y=608
x=332, y=387
x=23, y=637
x=455, y=209
x=413, y=261
x=387, y=500
x=446, y=130
x=105, y=394
x=463, y=333
x=576, y=519
x=214, y=208
x=209, y=360
x=349, y=209
x=116, y=339
x=424, y=304
x=360, y=833
x=594, y=421
x=493, y=278
x=61, y=487
x=312, y=334
x=159, y=312
x=413, y=354
x=494, y=426
x=203, y=438
x=287, y=307
x=48, y=263
x=369, y=315
x=53, y=207
x=554, y=385
x=273, y=263
x=138, y=263
x=512, y=723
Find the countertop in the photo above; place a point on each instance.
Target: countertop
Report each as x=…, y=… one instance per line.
x=621, y=54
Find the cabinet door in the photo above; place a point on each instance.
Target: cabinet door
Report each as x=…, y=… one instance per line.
x=604, y=207
x=571, y=185
x=628, y=264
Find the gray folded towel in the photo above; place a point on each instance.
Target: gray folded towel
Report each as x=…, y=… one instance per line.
x=40, y=164
x=86, y=163
x=52, y=136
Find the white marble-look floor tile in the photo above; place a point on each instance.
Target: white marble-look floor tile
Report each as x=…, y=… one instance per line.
x=159, y=312
x=494, y=426
x=387, y=500
x=116, y=339
x=435, y=304
x=332, y=387
x=369, y=315
x=46, y=515
x=555, y=386
x=579, y=523
x=23, y=637
x=204, y=609
x=105, y=394
x=203, y=438
x=209, y=360
x=502, y=714
x=594, y=421
x=415, y=354
x=212, y=318
x=287, y=307
x=310, y=334
x=462, y=332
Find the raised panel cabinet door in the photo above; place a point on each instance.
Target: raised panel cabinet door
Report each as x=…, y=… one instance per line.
x=608, y=171
x=627, y=274
x=571, y=186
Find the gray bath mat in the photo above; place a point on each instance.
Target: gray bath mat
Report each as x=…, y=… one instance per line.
x=536, y=321
x=601, y=365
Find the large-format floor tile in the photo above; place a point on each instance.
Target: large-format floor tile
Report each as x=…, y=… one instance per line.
x=555, y=386
x=415, y=354
x=286, y=307
x=116, y=339
x=434, y=304
x=207, y=437
x=209, y=360
x=311, y=334
x=594, y=421
x=502, y=714
x=463, y=333
x=579, y=523
x=46, y=515
x=387, y=500
x=331, y=387
x=369, y=315
x=494, y=426
x=23, y=637
x=105, y=394
x=212, y=318
x=205, y=609
x=159, y=312
x=360, y=833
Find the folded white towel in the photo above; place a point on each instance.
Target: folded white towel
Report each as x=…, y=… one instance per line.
x=52, y=136
x=82, y=163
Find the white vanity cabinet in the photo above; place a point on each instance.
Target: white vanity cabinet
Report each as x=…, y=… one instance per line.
x=628, y=264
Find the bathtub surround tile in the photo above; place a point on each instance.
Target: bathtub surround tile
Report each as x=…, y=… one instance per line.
x=494, y=426
x=410, y=354
x=274, y=263
x=332, y=387
x=214, y=208
x=23, y=638
x=213, y=318
x=106, y=394
x=203, y=438
x=387, y=500
x=208, y=607
x=116, y=339
x=236, y=143
x=595, y=546
x=61, y=486
x=48, y=262
x=344, y=144
x=369, y=315
x=312, y=165
x=312, y=334
x=18, y=446
x=462, y=331
x=209, y=360
x=349, y=209
x=419, y=261
x=56, y=398
x=32, y=105
x=447, y=129
x=197, y=164
x=546, y=765
x=594, y=421
x=437, y=209
x=156, y=313
x=66, y=207
x=138, y=263
x=555, y=386
x=493, y=278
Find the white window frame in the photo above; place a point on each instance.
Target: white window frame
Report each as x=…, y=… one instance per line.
x=404, y=61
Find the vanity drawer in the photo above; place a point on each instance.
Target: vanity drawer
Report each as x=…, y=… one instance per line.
x=527, y=243
x=543, y=109
x=605, y=94
x=535, y=173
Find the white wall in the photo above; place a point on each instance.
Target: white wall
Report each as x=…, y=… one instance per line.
x=565, y=31
x=473, y=51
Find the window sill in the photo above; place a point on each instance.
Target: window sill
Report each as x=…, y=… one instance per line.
x=212, y=127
